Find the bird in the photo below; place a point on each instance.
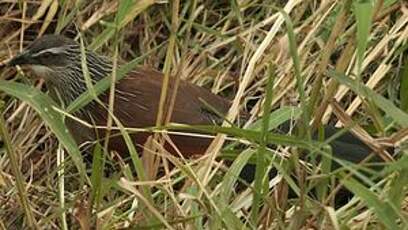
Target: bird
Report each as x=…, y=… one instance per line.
x=57, y=59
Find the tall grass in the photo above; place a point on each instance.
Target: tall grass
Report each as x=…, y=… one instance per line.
x=338, y=62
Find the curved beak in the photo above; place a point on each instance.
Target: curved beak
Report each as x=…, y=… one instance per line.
x=20, y=59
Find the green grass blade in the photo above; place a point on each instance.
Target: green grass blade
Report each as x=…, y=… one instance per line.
x=44, y=106
x=363, y=10
x=19, y=179
x=387, y=106
x=298, y=74
x=98, y=162
x=233, y=174
x=251, y=135
x=404, y=87
x=386, y=214
x=128, y=10
x=278, y=117
x=260, y=158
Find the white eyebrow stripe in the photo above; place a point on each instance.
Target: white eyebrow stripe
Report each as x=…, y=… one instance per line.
x=54, y=50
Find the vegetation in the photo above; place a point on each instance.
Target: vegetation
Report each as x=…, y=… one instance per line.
x=339, y=62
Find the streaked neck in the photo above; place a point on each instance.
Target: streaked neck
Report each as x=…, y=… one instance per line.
x=69, y=82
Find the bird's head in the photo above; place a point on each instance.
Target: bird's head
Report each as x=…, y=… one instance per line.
x=48, y=54
x=58, y=60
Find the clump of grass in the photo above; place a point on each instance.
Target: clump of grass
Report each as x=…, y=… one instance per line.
x=317, y=62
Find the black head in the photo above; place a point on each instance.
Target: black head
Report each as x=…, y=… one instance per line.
x=58, y=60
x=47, y=51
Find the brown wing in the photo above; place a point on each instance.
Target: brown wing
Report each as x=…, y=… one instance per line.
x=137, y=101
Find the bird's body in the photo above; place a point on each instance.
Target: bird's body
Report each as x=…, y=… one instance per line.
x=59, y=61
x=136, y=105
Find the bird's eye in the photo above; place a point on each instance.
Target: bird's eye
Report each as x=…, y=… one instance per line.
x=47, y=55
